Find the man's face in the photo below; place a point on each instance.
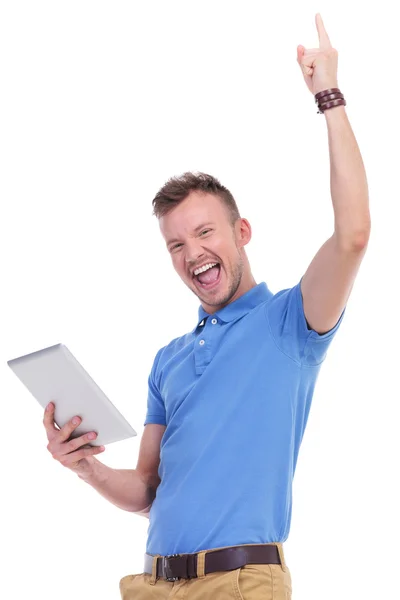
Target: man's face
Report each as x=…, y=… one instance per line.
x=198, y=232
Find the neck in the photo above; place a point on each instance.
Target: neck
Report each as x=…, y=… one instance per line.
x=246, y=284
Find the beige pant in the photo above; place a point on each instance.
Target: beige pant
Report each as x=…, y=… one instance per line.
x=251, y=582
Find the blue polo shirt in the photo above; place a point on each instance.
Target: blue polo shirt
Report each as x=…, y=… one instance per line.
x=234, y=394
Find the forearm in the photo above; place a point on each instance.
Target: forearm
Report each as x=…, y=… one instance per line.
x=123, y=487
x=348, y=180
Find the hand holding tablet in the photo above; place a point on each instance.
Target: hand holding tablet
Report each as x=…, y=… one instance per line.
x=75, y=453
x=54, y=375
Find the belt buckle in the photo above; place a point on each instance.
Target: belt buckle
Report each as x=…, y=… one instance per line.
x=167, y=569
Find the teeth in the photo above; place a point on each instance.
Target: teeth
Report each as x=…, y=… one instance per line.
x=204, y=268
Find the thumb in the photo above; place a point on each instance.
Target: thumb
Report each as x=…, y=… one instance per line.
x=300, y=52
x=307, y=71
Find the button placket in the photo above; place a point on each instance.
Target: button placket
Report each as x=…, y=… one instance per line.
x=202, y=349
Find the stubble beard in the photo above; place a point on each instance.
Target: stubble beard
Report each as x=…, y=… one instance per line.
x=235, y=277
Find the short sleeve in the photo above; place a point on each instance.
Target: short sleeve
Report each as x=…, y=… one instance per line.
x=288, y=326
x=155, y=404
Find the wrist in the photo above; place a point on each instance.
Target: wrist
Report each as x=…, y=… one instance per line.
x=334, y=113
x=328, y=99
x=89, y=469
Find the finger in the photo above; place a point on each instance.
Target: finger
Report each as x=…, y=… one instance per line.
x=306, y=62
x=79, y=442
x=307, y=57
x=311, y=51
x=66, y=431
x=48, y=421
x=74, y=457
x=307, y=71
x=324, y=41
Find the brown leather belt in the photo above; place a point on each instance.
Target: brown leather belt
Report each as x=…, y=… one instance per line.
x=184, y=566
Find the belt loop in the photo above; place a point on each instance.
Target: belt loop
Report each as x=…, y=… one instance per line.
x=153, y=578
x=201, y=563
x=281, y=555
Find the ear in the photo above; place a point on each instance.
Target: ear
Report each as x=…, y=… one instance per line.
x=243, y=232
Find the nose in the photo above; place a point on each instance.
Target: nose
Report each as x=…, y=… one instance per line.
x=193, y=252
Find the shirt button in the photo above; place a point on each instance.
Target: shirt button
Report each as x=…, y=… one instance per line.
x=214, y=321
x=201, y=342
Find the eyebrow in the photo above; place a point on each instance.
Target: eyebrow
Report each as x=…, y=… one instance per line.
x=198, y=228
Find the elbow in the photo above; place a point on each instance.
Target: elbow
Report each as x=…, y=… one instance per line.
x=356, y=242
x=151, y=491
x=145, y=512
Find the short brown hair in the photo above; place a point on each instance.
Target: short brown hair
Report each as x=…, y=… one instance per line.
x=177, y=189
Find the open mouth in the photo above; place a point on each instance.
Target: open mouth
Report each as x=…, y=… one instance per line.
x=208, y=279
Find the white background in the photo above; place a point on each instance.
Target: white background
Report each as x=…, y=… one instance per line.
x=102, y=102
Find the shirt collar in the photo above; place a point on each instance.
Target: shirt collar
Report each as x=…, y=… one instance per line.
x=234, y=310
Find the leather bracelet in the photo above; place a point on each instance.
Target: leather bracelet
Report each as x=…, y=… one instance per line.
x=331, y=104
x=329, y=99
x=325, y=92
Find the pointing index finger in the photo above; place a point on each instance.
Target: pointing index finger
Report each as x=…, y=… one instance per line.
x=324, y=41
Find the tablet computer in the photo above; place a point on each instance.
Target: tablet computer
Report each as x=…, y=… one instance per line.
x=54, y=374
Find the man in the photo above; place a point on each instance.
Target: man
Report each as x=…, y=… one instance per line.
x=229, y=401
